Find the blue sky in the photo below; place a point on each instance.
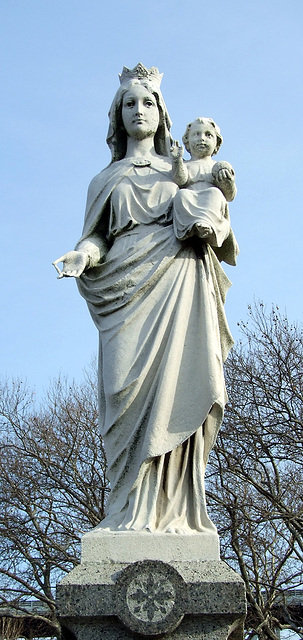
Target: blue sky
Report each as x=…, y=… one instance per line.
x=237, y=62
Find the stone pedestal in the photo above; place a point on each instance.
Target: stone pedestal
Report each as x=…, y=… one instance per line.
x=131, y=584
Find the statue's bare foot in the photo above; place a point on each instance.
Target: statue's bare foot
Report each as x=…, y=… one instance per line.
x=176, y=530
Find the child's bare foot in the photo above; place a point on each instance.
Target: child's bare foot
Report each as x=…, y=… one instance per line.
x=203, y=232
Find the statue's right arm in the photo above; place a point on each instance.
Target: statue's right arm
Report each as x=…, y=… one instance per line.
x=88, y=253
x=92, y=249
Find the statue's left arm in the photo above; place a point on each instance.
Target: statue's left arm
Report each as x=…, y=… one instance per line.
x=224, y=177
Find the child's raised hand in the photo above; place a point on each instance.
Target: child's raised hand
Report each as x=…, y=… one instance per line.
x=176, y=150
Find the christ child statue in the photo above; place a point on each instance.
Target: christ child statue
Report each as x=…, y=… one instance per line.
x=200, y=206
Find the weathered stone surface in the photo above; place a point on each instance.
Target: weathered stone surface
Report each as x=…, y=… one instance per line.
x=191, y=628
x=150, y=598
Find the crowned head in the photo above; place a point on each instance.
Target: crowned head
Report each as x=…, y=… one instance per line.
x=140, y=72
x=117, y=136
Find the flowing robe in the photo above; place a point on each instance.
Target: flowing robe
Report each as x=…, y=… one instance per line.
x=158, y=307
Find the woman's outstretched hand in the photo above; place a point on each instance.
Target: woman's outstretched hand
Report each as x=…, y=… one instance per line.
x=74, y=263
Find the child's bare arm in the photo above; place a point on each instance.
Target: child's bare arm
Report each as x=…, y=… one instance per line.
x=179, y=169
x=224, y=177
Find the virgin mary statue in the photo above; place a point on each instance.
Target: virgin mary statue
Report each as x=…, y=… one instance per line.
x=158, y=305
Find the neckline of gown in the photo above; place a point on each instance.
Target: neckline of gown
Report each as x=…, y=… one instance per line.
x=159, y=163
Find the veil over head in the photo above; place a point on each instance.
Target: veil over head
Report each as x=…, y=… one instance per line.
x=116, y=135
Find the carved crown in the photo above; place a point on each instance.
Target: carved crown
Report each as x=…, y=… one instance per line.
x=140, y=72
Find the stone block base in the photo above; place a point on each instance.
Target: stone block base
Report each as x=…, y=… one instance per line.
x=99, y=545
x=186, y=600
x=192, y=628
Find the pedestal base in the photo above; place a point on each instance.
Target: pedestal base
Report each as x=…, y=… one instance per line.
x=186, y=598
x=100, y=545
x=192, y=628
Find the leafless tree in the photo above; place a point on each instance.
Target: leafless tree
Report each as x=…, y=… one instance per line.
x=52, y=488
x=255, y=476
x=53, y=482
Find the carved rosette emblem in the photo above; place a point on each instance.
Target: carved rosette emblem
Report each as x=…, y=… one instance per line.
x=151, y=597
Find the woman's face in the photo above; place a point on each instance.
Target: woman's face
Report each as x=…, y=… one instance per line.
x=140, y=114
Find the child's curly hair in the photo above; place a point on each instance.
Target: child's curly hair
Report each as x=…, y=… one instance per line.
x=208, y=121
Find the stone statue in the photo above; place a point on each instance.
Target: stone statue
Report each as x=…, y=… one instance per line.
x=201, y=209
x=156, y=296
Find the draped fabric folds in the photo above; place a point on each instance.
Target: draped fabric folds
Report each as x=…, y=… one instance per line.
x=159, y=310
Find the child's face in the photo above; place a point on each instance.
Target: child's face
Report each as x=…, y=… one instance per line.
x=202, y=140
